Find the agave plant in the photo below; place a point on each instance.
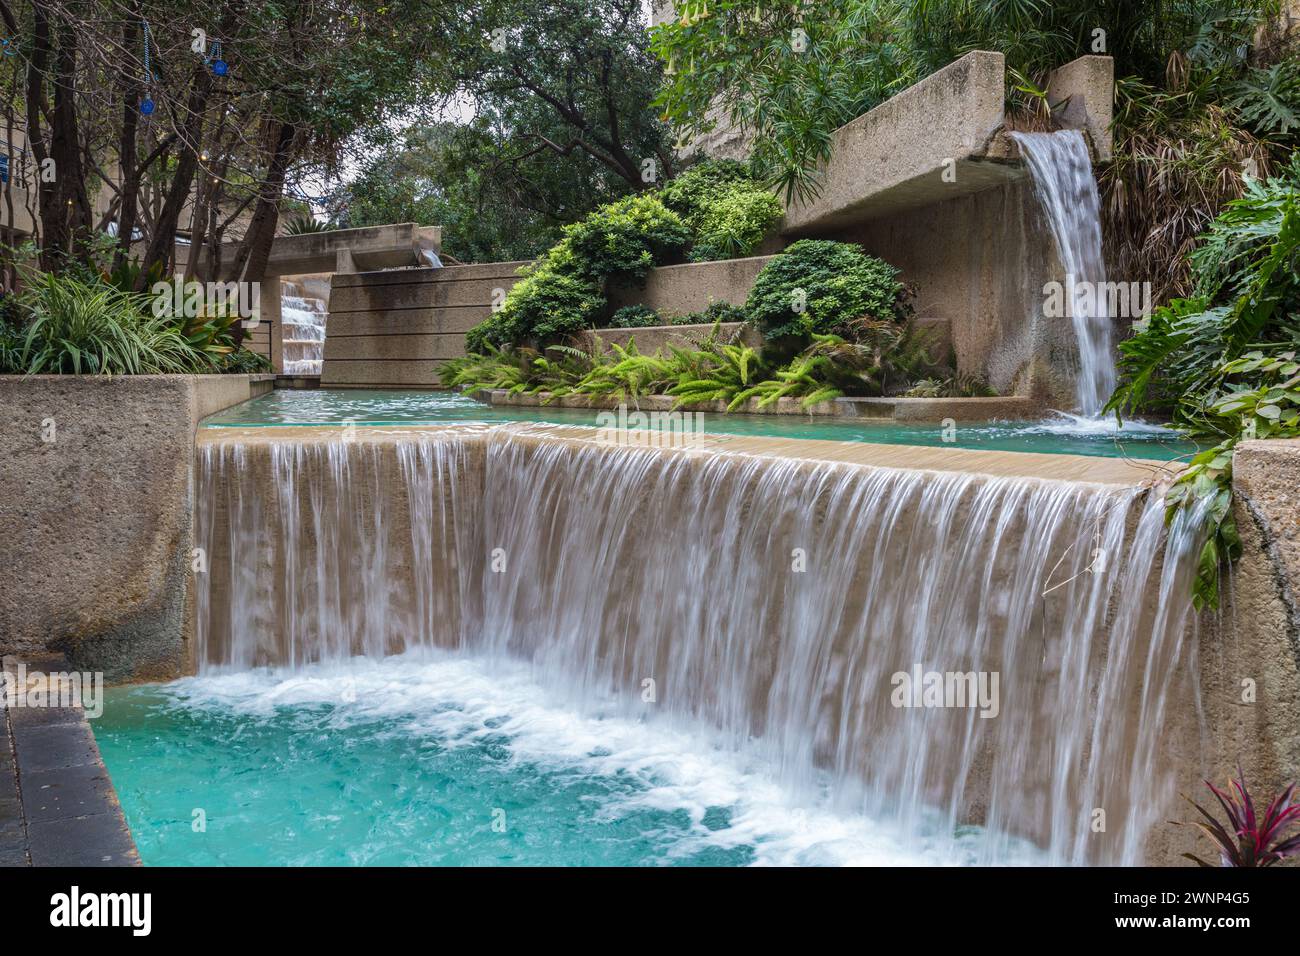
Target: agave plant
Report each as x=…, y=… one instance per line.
x=1249, y=839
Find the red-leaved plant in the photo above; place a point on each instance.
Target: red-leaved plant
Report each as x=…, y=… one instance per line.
x=1248, y=840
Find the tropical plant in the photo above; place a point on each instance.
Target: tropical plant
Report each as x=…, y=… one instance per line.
x=303, y=225
x=1222, y=364
x=821, y=287
x=1248, y=838
x=713, y=314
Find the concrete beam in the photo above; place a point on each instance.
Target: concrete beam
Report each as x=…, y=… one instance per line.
x=369, y=248
x=932, y=142
x=1082, y=96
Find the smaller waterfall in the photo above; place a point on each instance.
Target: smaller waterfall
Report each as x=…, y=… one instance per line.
x=1061, y=169
x=302, y=321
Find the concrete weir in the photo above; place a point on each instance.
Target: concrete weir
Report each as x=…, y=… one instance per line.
x=773, y=588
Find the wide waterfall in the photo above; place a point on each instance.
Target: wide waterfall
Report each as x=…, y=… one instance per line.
x=1061, y=168
x=302, y=320
x=777, y=599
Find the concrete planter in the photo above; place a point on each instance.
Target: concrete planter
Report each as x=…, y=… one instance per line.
x=96, y=497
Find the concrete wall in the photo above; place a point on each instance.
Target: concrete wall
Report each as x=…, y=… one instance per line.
x=95, y=522
x=393, y=329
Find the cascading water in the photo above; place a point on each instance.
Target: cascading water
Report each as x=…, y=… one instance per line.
x=1061, y=169
x=302, y=321
x=776, y=599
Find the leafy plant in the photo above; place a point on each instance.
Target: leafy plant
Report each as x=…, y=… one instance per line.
x=626, y=239
x=821, y=287
x=303, y=225
x=1223, y=363
x=635, y=317
x=728, y=212
x=76, y=327
x=713, y=313
x=1248, y=838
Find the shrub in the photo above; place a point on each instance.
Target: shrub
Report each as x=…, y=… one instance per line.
x=715, y=312
x=1251, y=837
x=626, y=240
x=635, y=317
x=821, y=287
x=728, y=212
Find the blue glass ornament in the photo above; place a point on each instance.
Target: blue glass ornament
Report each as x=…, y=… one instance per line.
x=219, y=67
x=146, y=106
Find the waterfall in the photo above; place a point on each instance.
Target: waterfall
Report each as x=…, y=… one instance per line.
x=302, y=321
x=1061, y=169
x=777, y=599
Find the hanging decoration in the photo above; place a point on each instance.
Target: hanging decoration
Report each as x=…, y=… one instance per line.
x=219, y=65
x=147, y=104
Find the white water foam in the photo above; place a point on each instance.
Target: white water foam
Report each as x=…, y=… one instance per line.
x=677, y=765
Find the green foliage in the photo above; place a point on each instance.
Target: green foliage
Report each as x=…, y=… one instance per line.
x=302, y=225
x=1268, y=101
x=712, y=314
x=635, y=317
x=243, y=361
x=728, y=212
x=76, y=327
x=954, y=386
x=1223, y=363
x=820, y=287
x=626, y=239
x=563, y=291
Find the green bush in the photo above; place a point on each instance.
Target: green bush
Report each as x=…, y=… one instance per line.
x=627, y=239
x=712, y=211
x=715, y=312
x=820, y=287
x=635, y=317
x=727, y=211
x=74, y=326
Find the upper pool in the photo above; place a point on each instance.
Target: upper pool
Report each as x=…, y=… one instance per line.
x=1059, y=434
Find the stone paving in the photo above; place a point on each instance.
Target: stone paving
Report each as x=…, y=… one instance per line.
x=57, y=803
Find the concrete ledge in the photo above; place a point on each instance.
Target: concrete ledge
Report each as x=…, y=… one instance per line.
x=95, y=515
x=650, y=339
x=888, y=409
x=894, y=157
x=64, y=811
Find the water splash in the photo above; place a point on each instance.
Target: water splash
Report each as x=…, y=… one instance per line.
x=1061, y=169
x=774, y=599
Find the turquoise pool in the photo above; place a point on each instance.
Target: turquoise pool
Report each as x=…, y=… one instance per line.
x=1061, y=434
x=430, y=759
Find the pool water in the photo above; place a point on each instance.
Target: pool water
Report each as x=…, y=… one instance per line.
x=430, y=759
x=1059, y=434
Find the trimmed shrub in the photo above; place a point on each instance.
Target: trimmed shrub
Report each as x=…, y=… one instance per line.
x=821, y=287
x=715, y=312
x=627, y=239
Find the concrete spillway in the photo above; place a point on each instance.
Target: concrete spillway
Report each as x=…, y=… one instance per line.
x=772, y=588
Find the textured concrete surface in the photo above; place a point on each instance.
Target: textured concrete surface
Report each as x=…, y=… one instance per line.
x=95, y=515
x=1082, y=96
x=396, y=328
x=57, y=803
x=692, y=286
x=895, y=157
x=651, y=339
